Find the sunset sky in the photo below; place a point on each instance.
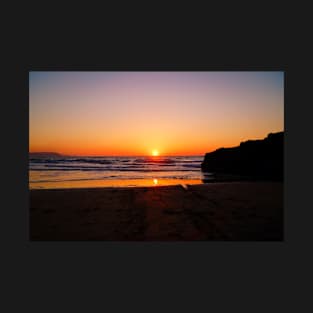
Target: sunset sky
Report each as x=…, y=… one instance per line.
x=138, y=113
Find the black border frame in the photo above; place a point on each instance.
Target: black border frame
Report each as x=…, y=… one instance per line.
x=248, y=276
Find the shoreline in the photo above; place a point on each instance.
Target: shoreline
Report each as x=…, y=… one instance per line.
x=112, y=183
x=146, y=183
x=214, y=211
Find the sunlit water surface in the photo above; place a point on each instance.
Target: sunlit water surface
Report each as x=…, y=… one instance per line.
x=77, y=172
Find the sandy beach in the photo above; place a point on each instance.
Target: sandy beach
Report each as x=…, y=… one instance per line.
x=217, y=211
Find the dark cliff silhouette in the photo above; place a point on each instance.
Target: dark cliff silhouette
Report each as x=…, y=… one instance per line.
x=253, y=159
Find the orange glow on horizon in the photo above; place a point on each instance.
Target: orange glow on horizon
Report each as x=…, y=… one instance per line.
x=79, y=151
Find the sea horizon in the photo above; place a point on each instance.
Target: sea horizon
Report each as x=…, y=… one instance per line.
x=122, y=156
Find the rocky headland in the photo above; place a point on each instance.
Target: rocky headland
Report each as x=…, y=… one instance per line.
x=253, y=159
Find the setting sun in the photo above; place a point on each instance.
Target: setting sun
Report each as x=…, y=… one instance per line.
x=155, y=152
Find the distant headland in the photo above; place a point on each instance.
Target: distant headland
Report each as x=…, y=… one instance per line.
x=44, y=154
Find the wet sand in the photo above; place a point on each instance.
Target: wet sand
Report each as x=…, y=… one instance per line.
x=242, y=211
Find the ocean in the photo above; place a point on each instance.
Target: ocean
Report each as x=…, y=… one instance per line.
x=75, y=172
